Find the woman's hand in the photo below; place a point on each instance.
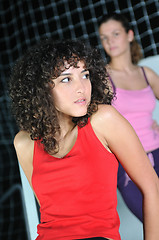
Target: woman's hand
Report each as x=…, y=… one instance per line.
x=155, y=126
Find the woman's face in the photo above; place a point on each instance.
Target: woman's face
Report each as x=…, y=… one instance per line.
x=114, y=38
x=72, y=91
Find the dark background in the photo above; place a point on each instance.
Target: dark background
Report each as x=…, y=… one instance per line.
x=23, y=23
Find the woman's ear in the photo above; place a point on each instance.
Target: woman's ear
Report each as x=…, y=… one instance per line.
x=130, y=35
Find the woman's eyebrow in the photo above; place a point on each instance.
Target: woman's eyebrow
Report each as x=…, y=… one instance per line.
x=66, y=74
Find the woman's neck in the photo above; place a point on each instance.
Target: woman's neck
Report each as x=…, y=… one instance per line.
x=66, y=125
x=122, y=62
x=119, y=65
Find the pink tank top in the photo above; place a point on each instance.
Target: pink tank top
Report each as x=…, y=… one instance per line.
x=77, y=193
x=137, y=107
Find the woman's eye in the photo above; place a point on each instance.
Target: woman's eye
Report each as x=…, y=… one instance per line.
x=103, y=39
x=116, y=34
x=86, y=76
x=65, y=80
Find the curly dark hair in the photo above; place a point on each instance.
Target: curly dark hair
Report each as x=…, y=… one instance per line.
x=31, y=83
x=136, y=52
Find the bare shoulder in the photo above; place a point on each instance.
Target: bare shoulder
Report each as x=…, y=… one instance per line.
x=23, y=142
x=24, y=147
x=106, y=119
x=21, y=138
x=149, y=70
x=106, y=114
x=150, y=74
x=108, y=122
x=153, y=79
x=110, y=127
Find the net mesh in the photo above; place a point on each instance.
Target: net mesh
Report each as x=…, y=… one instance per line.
x=22, y=24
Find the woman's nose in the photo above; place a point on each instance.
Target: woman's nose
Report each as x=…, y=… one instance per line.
x=109, y=40
x=80, y=86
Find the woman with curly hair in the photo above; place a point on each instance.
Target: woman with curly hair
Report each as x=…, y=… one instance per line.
x=70, y=139
x=137, y=89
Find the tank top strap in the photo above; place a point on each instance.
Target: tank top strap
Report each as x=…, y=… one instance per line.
x=113, y=85
x=145, y=75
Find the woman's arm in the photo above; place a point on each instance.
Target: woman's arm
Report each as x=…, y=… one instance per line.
x=24, y=147
x=124, y=143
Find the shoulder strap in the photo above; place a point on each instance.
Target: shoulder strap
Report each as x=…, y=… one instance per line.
x=145, y=75
x=113, y=85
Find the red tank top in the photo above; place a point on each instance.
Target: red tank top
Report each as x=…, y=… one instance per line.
x=77, y=193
